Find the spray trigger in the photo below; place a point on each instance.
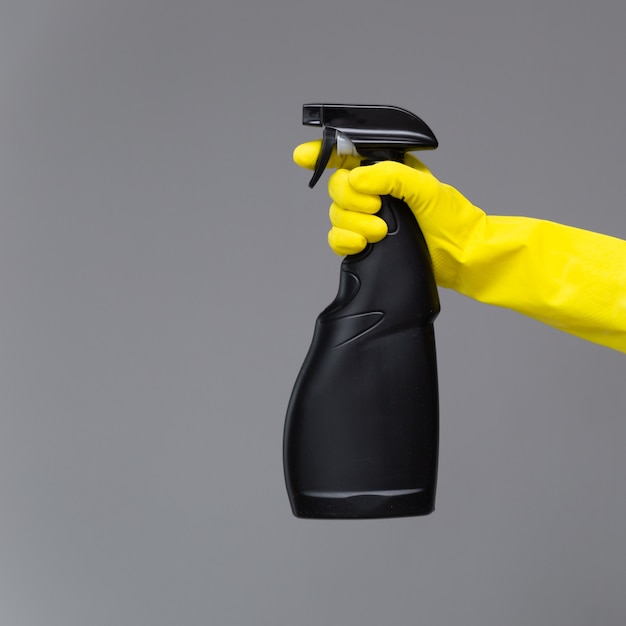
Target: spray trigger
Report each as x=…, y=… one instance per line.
x=329, y=141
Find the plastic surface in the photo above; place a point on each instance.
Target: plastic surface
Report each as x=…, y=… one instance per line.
x=361, y=432
x=372, y=127
x=377, y=132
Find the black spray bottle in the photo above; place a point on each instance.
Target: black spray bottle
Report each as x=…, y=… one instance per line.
x=362, y=428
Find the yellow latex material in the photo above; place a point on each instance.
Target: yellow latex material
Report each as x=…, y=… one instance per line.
x=571, y=279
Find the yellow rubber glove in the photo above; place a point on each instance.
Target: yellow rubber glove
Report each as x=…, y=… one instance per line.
x=571, y=279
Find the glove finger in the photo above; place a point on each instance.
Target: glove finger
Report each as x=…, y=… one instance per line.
x=305, y=155
x=343, y=194
x=371, y=227
x=344, y=242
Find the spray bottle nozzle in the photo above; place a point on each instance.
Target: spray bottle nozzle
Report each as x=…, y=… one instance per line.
x=375, y=132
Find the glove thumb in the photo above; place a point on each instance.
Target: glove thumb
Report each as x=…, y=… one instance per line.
x=417, y=187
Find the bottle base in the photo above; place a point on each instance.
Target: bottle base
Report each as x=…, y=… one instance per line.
x=363, y=505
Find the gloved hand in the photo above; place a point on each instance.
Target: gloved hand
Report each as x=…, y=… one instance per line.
x=569, y=278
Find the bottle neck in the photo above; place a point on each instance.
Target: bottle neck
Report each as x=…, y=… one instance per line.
x=383, y=154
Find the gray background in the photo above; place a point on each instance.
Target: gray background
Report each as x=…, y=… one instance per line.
x=162, y=262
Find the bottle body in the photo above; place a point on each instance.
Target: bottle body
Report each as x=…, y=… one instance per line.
x=361, y=432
